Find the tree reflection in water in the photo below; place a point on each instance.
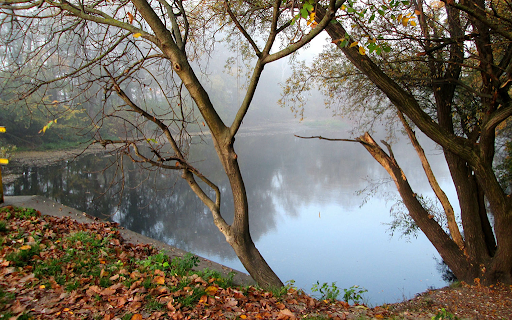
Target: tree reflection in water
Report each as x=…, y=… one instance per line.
x=283, y=175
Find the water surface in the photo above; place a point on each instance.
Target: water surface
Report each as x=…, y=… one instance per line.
x=305, y=215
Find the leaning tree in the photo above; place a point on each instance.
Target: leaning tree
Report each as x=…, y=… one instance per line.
x=135, y=58
x=445, y=68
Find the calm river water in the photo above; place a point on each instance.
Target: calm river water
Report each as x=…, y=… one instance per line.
x=306, y=216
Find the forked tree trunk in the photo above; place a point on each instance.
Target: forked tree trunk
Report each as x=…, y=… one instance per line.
x=441, y=196
x=466, y=267
x=450, y=252
x=237, y=234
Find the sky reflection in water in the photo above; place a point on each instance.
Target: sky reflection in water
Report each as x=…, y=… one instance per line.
x=305, y=217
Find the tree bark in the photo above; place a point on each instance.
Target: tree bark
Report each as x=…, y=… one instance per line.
x=469, y=159
x=447, y=248
x=237, y=235
x=441, y=196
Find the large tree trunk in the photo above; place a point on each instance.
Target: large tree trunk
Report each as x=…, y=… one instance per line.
x=237, y=234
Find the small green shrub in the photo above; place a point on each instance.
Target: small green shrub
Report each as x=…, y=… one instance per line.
x=181, y=266
x=354, y=293
x=443, y=314
x=280, y=292
x=158, y=261
x=327, y=292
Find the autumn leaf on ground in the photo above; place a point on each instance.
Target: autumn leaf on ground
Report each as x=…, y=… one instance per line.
x=211, y=290
x=159, y=280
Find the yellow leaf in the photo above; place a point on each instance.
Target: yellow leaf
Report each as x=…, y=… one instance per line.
x=362, y=51
x=243, y=316
x=4, y=161
x=25, y=247
x=42, y=286
x=2, y=129
x=211, y=290
x=343, y=7
x=136, y=35
x=353, y=44
x=311, y=18
x=413, y=23
x=405, y=21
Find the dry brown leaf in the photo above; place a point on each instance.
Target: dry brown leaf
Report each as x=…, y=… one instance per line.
x=159, y=280
x=107, y=292
x=285, y=314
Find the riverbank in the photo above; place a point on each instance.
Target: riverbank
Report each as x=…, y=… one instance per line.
x=43, y=298
x=21, y=159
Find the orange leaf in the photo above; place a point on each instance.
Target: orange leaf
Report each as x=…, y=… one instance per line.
x=25, y=247
x=211, y=290
x=130, y=17
x=159, y=280
x=136, y=316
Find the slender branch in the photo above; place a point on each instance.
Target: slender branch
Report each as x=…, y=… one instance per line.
x=441, y=196
x=273, y=28
x=241, y=28
x=329, y=15
x=498, y=117
x=175, y=27
x=85, y=66
x=481, y=15
x=328, y=139
x=183, y=164
x=97, y=16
